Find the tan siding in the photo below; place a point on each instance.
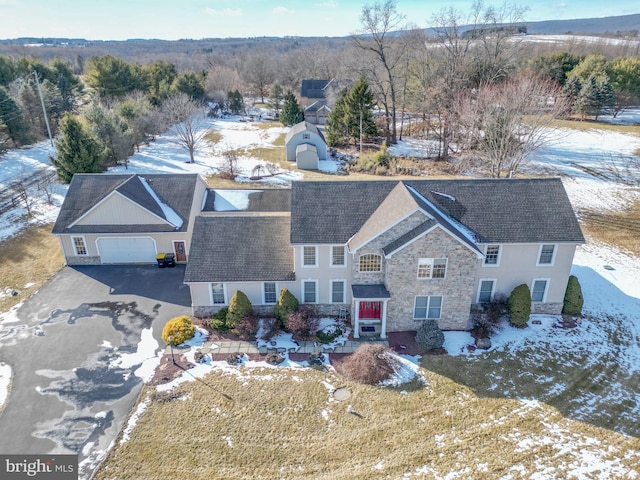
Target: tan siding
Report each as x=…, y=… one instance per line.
x=117, y=210
x=323, y=273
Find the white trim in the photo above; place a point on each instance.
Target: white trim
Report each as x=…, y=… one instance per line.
x=389, y=227
x=546, y=289
x=415, y=298
x=493, y=287
x=344, y=251
x=224, y=292
x=553, y=255
x=74, y=223
x=429, y=230
x=84, y=242
x=369, y=271
x=492, y=265
x=173, y=242
x=430, y=262
x=264, y=300
x=302, y=264
x=302, y=282
x=344, y=290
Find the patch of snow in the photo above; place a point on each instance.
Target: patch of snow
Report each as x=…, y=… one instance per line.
x=106, y=344
x=405, y=370
x=379, y=465
x=169, y=213
x=329, y=166
x=146, y=355
x=231, y=200
x=133, y=420
x=29, y=285
x=5, y=381
x=282, y=340
x=228, y=440
x=11, y=315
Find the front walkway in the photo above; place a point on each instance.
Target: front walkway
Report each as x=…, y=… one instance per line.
x=239, y=346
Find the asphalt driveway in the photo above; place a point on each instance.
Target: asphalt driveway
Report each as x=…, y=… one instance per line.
x=68, y=394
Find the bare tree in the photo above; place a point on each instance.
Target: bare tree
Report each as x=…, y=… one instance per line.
x=379, y=37
x=258, y=72
x=229, y=169
x=188, y=120
x=505, y=123
x=48, y=182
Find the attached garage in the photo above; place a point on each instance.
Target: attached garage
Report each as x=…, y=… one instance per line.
x=127, y=249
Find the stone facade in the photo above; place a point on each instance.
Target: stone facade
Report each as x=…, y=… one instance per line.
x=547, y=308
x=83, y=260
x=325, y=310
x=456, y=288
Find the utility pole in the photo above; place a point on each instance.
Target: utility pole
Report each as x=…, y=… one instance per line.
x=44, y=110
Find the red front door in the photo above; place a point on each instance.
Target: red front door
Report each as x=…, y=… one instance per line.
x=370, y=310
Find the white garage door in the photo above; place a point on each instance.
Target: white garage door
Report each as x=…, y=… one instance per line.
x=127, y=250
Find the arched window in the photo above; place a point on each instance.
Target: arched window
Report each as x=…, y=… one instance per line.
x=370, y=262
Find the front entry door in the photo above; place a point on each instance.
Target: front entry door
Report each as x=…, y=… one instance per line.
x=181, y=254
x=370, y=310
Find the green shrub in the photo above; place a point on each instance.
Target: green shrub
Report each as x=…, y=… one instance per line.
x=180, y=329
x=429, y=335
x=519, y=304
x=573, y=299
x=328, y=334
x=287, y=304
x=239, y=307
x=218, y=321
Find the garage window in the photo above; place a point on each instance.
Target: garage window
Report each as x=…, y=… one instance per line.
x=79, y=246
x=217, y=294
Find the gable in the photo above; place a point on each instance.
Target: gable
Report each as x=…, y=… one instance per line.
x=116, y=209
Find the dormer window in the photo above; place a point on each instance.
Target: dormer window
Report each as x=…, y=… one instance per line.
x=370, y=263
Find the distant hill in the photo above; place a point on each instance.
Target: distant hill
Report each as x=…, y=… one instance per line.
x=623, y=24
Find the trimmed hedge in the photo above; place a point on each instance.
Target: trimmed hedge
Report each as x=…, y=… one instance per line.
x=287, y=304
x=180, y=329
x=239, y=307
x=519, y=304
x=573, y=299
x=429, y=335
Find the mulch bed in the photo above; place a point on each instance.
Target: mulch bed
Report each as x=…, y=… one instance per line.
x=405, y=343
x=336, y=360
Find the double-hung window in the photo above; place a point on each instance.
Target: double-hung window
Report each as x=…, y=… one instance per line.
x=546, y=254
x=217, y=294
x=432, y=267
x=79, y=246
x=538, y=290
x=337, y=256
x=427, y=307
x=492, y=255
x=310, y=291
x=337, y=291
x=270, y=292
x=309, y=257
x=485, y=294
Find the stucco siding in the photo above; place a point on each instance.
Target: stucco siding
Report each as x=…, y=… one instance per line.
x=456, y=288
x=117, y=210
x=324, y=273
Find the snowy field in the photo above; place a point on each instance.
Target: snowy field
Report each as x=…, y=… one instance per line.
x=608, y=277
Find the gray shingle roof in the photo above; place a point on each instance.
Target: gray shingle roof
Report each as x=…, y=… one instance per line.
x=495, y=210
x=370, y=291
x=407, y=237
x=240, y=249
x=313, y=88
x=87, y=190
x=268, y=200
x=301, y=127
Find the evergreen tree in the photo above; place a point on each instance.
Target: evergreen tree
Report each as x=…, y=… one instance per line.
x=589, y=100
x=236, y=102
x=275, y=98
x=190, y=83
x=291, y=112
x=606, y=95
x=112, y=131
x=572, y=88
x=12, y=122
x=359, y=104
x=239, y=307
x=111, y=77
x=336, y=128
x=77, y=150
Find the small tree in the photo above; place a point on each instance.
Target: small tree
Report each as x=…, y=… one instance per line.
x=236, y=102
x=239, y=307
x=519, y=304
x=77, y=150
x=291, y=112
x=189, y=122
x=275, y=98
x=573, y=299
x=229, y=169
x=247, y=326
x=287, y=304
x=180, y=329
x=429, y=335
x=303, y=323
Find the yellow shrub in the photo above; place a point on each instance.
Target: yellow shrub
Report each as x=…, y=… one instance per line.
x=180, y=329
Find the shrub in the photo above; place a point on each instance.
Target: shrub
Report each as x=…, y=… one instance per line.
x=218, y=321
x=316, y=359
x=370, y=364
x=287, y=304
x=270, y=327
x=247, y=327
x=573, y=299
x=519, y=304
x=180, y=329
x=496, y=308
x=482, y=326
x=429, y=335
x=303, y=323
x=235, y=358
x=239, y=307
x=274, y=358
x=328, y=334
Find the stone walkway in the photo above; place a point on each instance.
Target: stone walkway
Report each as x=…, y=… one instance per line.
x=239, y=346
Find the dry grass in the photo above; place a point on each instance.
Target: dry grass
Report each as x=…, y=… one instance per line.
x=33, y=256
x=213, y=137
x=621, y=229
x=284, y=424
x=591, y=125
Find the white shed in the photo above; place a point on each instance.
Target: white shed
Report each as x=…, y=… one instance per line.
x=305, y=133
x=307, y=157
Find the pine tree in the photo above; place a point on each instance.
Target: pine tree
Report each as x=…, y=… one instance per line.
x=12, y=121
x=572, y=88
x=236, y=102
x=589, y=100
x=239, y=307
x=606, y=95
x=275, y=98
x=359, y=105
x=291, y=112
x=77, y=150
x=336, y=128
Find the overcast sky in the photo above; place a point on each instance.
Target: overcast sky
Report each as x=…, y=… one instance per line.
x=123, y=19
